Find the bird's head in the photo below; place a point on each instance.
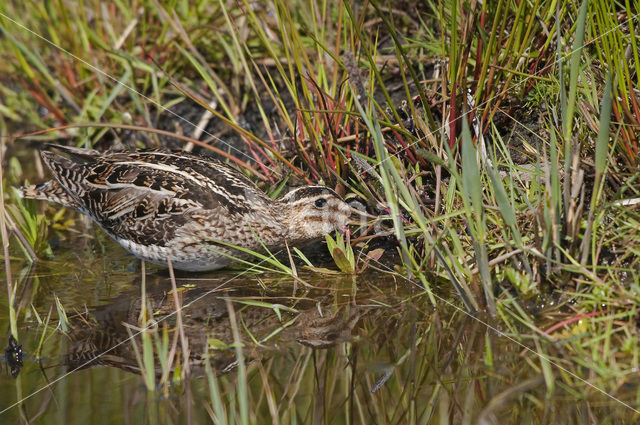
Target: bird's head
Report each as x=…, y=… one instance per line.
x=314, y=211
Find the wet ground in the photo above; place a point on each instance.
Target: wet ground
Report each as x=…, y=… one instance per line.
x=323, y=348
x=364, y=349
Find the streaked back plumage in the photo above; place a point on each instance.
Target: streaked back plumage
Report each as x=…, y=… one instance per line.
x=178, y=205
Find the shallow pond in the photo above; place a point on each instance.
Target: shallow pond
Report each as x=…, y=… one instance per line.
x=320, y=348
x=366, y=349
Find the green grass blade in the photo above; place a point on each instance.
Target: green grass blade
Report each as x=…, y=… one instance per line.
x=574, y=71
x=472, y=190
x=602, y=143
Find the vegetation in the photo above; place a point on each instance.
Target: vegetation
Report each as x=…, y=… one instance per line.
x=497, y=142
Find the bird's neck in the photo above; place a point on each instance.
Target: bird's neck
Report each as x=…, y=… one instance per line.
x=283, y=215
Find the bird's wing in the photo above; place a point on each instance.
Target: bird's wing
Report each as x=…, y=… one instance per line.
x=147, y=196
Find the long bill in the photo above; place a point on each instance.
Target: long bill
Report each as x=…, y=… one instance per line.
x=357, y=216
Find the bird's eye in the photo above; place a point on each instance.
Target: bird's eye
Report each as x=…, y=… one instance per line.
x=321, y=203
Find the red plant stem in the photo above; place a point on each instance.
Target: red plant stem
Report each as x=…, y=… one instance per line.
x=623, y=131
x=258, y=160
x=405, y=147
x=71, y=77
x=42, y=100
x=632, y=119
x=634, y=102
x=574, y=319
x=453, y=116
x=157, y=131
x=478, y=67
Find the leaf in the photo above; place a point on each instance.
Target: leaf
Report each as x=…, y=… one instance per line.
x=216, y=344
x=342, y=261
x=602, y=143
x=62, y=315
x=322, y=270
x=470, y=172
x=373, y=255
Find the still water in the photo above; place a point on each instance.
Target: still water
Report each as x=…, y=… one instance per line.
x=323, y=348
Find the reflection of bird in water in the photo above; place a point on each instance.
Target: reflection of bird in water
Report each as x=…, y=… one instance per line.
x=188, y=208
x=322, y=327
x=207, y=327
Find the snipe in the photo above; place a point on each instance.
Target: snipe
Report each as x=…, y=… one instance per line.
x=184, y=207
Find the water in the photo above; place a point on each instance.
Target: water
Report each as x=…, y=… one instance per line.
x=370, y=348
x=364, y=349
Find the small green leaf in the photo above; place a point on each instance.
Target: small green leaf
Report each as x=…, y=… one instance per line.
x=216, y=344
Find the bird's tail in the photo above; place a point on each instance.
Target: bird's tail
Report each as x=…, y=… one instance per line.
x=34, y=191
x=48, y=191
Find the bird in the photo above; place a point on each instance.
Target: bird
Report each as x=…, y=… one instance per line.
x=193, y=210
